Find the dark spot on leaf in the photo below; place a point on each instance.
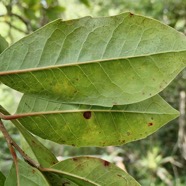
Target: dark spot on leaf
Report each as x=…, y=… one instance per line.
x=75, y=159
x=87, y=115
x=143, y=93
x=33, y=171
x=33, y=142
x=152, y=118
x=106, y=163
x=150, y=94
x=150, y=124
x=119, y=175
x=123, y=141
x=131, y=14
x=75, y=91
x=128, y=133
x=73, y=145
x=77, y=79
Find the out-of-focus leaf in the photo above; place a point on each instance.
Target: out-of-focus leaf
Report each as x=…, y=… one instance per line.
x=44, y=156
x=85, y=2
x=53, y=12
x=3, y=44
x=28, y=176
x=98, y=61
x=2, y=179
x=82, y=125
x=91, y=171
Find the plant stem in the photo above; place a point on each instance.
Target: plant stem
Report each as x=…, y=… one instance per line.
x=12, y=144
x=11, y=149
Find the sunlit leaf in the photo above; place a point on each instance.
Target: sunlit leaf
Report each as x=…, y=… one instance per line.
x=98, y=61
x=91, y=171
x=81, y=125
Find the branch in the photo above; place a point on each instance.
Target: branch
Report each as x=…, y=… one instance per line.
x=11, y=149
x=12, y=143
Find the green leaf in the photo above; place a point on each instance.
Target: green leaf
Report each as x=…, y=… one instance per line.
x=85, y=2
x=98, y=61
x=3, y=44
x=2, y=179
x=81, y=125
x=28, y=176
x=44, y=156
x=91, y=171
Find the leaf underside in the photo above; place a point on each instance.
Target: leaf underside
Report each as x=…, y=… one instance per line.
x=82, y=125
x=91, y=171
x=28, y=176
x=95, y=61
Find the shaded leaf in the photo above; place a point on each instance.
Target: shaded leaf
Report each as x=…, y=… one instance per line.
x=2, y=179
x=91, y=171
x=44, y=156
x=28, y=176
x=100, y=61
x=81, y=125
x=3, y=44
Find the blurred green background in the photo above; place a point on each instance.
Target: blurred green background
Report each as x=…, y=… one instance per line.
x=160, y=159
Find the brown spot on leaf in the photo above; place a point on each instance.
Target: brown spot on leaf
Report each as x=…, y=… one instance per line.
x=87, y=115
x=106, y=163
x=119, y=175
x=75, y=159
x=150, y=124
x=131, y=14
x=128, y=133
x=33, y=171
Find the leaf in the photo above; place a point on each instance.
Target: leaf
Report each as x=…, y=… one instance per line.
x=85, y=2
x=43, y=155
x=96, y=61
x=28, y=176
x=3, y=44
x=2, y=179
x=91, y=171
x=81, y=125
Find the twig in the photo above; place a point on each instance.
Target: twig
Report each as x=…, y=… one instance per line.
x=12, y=151
x=13, y=143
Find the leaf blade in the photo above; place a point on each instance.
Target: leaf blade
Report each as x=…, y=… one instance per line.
x=44, y=157
x=92, y=171
x=47, y=61
x=83, y=125
x=28, y=176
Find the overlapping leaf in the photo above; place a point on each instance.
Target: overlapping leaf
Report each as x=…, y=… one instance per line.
x=92, y=172
x=28, y=176
x=81, y=125
x=97, y=61
x=3, y=44
x=43, y=156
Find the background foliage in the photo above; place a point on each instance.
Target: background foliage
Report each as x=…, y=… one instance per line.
x=157, y=160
